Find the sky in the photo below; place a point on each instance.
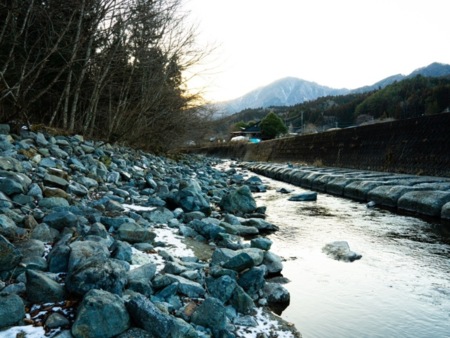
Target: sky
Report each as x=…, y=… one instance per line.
x=335, y=43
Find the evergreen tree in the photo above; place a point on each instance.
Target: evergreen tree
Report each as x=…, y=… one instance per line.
x=272, y=126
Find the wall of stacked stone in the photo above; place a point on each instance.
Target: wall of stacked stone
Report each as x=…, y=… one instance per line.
x=419, y=146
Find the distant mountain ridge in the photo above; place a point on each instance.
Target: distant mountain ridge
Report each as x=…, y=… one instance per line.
x=290, y=90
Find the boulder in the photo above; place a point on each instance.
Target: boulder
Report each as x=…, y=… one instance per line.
x=134, y=233
x=53, y=202
x=261, y=243
x=221, y=288
x=278, y=297
x=191, y=198
x=340, y=250
x=97, y=273
x=212, y=314
x=148, y=317
x=252, y=280
x=134, y=332
x=207, y=228
x=273, y=263
x=61, y=219
x=56, y=320
x=305, y=196
x=82, y=250
x=13, y=182
x=221, y=255
x=56, y=192
x=122, y=251
x=10, y=256
x=44, y=233
x=58, y=258
x=12, y=310
x=241, y=301
x=240, y=230
x=260, y=224
x=8, y=227
x=55, y=181
x=185, y=286
x=240, y=262
x=159, y=215
x=10, y=164
x=239, y=201
x=139, y=279
x=42, y=289
x=100, y=314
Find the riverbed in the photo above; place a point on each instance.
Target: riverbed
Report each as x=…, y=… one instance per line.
x=399, y=288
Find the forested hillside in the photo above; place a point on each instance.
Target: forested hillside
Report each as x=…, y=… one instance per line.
x=110, y=69
x=408, y=98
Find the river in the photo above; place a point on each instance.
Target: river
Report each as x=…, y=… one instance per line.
x=399, y=288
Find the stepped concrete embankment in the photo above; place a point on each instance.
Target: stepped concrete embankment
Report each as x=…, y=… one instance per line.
x=418, y=146
x=422, y=195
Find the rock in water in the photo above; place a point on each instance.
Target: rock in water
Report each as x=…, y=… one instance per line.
x=305, y=196
x=340, y=251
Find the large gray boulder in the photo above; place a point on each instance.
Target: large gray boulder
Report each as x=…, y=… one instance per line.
x=240, y=262
x=185, y=286
x=97, y=273
x=207, y=228
x=12, y=310
x=134, y=233
x=10, y=164
x=13, y=183
x=8, y=227
x=55, y=181
x=53, y=202
x=277, y=296
x=100, y=314
x=10, y=256
x=241, y=301
x=221, y=288
x=148, y=317
x=82, y=250
x=212, y=314
x=303, y=197
x=252, y=280
x=190, y=197
x=58, y=258
x=239, y=201
x=43, y=289
x=260, y=224
x=159, y=215
x=340, y=250
x=139, y=279
x=273, y=263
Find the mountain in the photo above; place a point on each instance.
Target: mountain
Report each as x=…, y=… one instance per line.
x=284, y=92
x=290, y=91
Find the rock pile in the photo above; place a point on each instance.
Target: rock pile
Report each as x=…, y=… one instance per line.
x=69, y=242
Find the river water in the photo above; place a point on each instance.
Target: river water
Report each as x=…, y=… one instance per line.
x=399, y=288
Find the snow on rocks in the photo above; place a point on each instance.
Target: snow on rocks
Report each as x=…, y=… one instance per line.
x=111, y=233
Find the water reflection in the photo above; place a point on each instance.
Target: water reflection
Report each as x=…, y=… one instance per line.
x=400, y=287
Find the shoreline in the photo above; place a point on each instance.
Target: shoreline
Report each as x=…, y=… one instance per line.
x=75, y=196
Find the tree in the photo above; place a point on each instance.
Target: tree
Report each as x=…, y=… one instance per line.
x=272, y=126
x=110, y=68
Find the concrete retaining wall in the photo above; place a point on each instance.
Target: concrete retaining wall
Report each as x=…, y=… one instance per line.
x=421, y=195
x=419, y=146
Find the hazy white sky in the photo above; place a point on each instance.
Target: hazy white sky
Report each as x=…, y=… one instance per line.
x=336, y=43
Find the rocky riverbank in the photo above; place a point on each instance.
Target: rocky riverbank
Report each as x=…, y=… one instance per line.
x=93, y=243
